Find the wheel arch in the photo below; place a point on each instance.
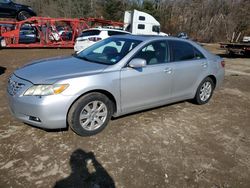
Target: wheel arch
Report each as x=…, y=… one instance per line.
x=104, y=92
x=30, y=12
x=199, y=82
x=213, y=79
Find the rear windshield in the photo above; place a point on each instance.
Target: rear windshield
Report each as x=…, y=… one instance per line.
x=111, y=33
x=90, y=33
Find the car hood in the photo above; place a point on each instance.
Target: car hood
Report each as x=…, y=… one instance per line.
x=48, y=71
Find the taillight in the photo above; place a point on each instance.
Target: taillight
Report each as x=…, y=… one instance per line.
x=94, y=39
x=223, y=63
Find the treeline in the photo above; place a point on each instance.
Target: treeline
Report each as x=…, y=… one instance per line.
x=202, y=20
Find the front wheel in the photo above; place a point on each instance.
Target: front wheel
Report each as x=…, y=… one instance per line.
x=23, y=15
x=204, y=91
x=90, y=114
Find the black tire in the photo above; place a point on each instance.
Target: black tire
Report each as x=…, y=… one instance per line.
x=23, y=15
x=231, y=54
x=199, y=99
x=1, y=38
x=79, y=107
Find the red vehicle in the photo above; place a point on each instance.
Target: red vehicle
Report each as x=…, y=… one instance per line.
x=47, y=32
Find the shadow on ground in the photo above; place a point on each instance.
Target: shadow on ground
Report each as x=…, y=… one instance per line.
x=86, y=172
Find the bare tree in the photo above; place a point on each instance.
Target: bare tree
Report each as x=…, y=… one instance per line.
x=203, y=20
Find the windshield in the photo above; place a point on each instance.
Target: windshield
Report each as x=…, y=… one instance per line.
x=108, y=51
x=5, y=1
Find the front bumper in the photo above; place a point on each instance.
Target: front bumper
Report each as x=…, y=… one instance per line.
x=51, y=111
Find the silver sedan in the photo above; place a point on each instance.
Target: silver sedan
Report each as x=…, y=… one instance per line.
x=117, y=76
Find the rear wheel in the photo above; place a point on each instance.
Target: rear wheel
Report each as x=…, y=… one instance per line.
x=23, y=15
x=204, y=91
x=90, y=114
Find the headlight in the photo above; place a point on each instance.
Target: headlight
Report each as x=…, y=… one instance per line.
x=41, y=90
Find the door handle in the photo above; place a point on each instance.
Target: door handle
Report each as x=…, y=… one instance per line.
x=204, y=64
x=168, y=70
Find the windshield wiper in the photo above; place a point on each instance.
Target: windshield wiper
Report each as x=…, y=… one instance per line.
x=89, y=60
x=80, y=57
x=83, y=58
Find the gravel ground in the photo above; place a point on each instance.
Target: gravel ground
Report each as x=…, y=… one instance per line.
x=178, y=145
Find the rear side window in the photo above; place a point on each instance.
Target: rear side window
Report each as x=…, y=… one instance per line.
x=183, y=51
x=90, y=33
x=110, y=33
x=142, y=18
x=141, y=26
x=198, y=54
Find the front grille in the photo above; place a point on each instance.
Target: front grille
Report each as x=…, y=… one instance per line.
x=14, y=86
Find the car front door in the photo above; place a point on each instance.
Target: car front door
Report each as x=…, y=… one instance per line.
x=189, y=65
x=150, y=85
x=6, y=9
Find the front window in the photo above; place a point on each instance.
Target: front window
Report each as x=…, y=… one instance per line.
x=108, y=51
x=141, y=26
x=156, y=28
x=154, y=53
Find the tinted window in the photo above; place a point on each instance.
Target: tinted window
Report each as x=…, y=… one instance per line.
x=182, y=51
x=141, y=26
x=90, y=33
x=156, y=28
x=154, y=53
x=110, y=33
x=198, y=54
x=142, y=18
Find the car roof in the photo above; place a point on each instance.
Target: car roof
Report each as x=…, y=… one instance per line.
x=150, y=37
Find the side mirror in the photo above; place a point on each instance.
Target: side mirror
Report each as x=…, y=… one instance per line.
x=137, y=63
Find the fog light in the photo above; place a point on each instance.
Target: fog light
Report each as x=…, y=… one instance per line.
x=32, y=118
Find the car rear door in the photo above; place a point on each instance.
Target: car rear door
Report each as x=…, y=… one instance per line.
x=189, y=66
x=147, y=86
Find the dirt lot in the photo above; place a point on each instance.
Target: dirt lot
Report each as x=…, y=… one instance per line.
x=179, y=145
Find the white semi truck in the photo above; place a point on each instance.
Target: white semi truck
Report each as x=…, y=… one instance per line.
x=141, y=23
x=135, y=22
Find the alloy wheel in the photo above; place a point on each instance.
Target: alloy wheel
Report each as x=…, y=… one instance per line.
x=93, y=115
x=205, y=91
